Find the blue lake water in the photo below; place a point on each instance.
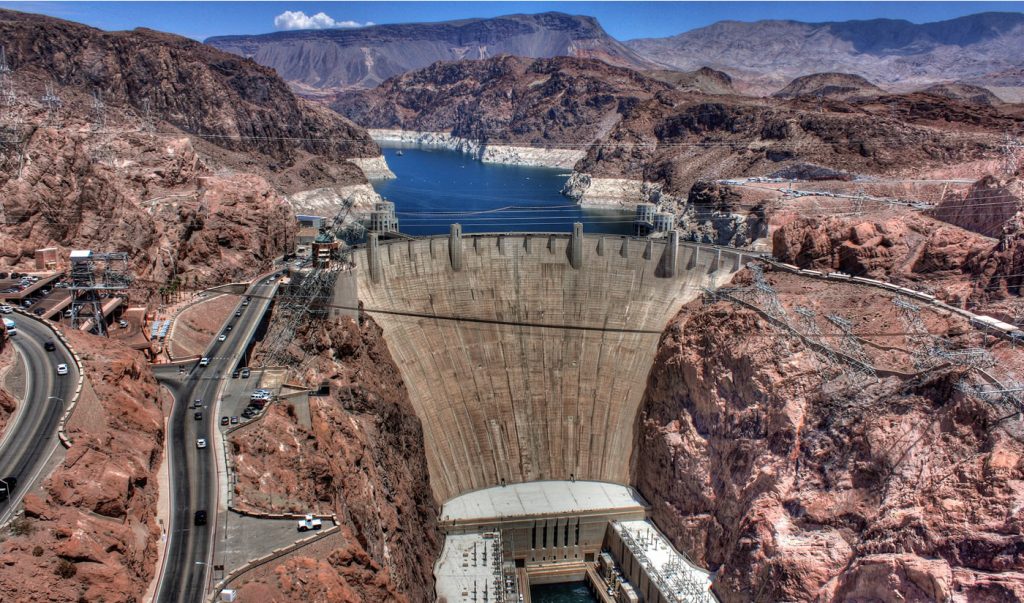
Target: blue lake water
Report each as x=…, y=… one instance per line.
x=569, y=592
x=436, y=187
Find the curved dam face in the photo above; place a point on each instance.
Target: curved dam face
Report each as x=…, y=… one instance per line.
x=554, y=399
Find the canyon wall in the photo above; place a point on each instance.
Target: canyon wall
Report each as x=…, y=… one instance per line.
x=179, y=154
x=795, y=483
x=362, y=459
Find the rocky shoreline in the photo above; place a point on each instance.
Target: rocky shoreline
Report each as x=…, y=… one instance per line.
x=328, y=201
x=487, y=153
x=374, y=168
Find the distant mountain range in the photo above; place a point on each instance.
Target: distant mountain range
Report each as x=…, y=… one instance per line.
x=985, y=49
x=763, y=56
x=316, y=61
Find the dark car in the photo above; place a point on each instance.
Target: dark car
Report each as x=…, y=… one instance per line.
x=15, y=275
x=234, y=420
x=234, y=374
x=49, y=346
x=198, y=416
x=224, y=420
x=200, y=518
x=3, y=275
x=238, y=313
x=244, y=373
x=7, y=486
x=228, y=328
x=39, y=311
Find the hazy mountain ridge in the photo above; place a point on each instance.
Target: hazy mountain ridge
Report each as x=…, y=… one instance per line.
x=330, y=60
x=890, y=53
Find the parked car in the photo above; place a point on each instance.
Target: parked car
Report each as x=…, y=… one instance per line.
x=310, y=523
x=224, y=420
x=228, y=328
x=200, y=518
x=201, y=443
x=122, y=323
x=234, y=374
x=49, y=346
x=204, y=361
x=6, y=309
x=198, y=415
x=238, y=312
x=39, y=311
x=222, y=337
x=234, y=420
x=245, y=373
x=62, y=369
x=15, y=274
x=3, y=275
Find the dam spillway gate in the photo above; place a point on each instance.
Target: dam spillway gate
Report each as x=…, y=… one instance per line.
x=544, y=380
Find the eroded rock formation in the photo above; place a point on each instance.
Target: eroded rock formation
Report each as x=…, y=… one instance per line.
x=162, y=147
x=798, y=489
x=91, y=533
x=363, y=459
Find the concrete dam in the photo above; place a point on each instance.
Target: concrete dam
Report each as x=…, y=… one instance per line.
x=544, y=380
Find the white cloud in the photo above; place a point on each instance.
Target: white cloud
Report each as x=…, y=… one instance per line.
x=296, y=19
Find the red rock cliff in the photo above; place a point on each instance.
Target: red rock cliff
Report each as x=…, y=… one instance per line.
x=363, y=459
x=795, y=489
x=90, y=534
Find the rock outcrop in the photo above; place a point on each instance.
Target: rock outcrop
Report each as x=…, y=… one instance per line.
x=91, y=534
x=318, y=62
x=558, y=102
x=363, y=459
x=793, y=488
x=840, y=86
x=162, y=147
x=713, y=214
x=960, y=91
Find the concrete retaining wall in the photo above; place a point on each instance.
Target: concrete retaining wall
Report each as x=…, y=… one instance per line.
x=307, y=546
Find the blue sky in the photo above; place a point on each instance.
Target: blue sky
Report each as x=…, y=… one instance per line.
x=623, y=20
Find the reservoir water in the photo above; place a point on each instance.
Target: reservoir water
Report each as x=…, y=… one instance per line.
x=568, y=592
x=436, y=187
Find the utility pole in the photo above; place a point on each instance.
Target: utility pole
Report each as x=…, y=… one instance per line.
x=52, y=102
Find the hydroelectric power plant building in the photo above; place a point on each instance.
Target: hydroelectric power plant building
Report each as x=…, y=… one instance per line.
x=526, y=357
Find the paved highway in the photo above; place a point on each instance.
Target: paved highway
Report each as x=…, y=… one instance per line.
x=193, y=471
x=31, y=438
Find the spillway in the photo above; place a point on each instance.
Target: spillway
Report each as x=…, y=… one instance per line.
x=544, y=381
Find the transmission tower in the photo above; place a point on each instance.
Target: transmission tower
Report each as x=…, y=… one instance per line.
x=827, y=360
x=53, y=104
x=850, y=345
x=7, y=96
x=147, y=118
x=96, y=280
x=918, y=336
x=1012, y=150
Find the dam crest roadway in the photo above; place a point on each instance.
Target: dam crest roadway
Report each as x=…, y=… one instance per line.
x=542, y=375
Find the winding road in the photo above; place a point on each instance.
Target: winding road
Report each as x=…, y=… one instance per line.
x=31, y=438
x=193, y=471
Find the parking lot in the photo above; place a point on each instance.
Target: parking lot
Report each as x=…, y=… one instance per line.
x=237, y=392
